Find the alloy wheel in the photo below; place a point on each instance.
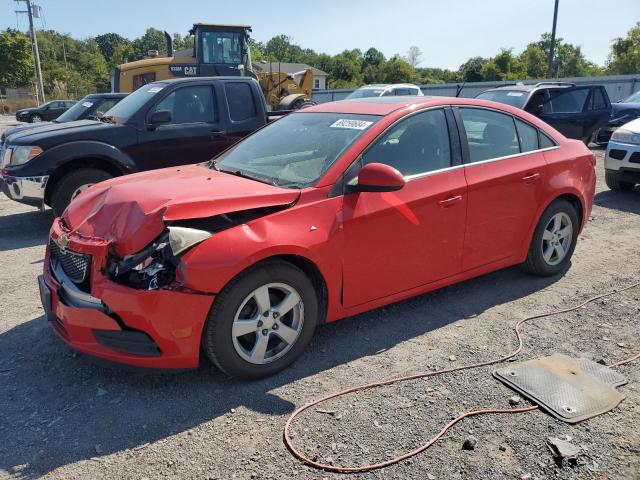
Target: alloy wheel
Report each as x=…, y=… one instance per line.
x=267, y=323
x=557, y=238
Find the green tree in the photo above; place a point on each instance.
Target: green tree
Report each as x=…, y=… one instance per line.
x=16, y=62
x=152, y=39
x=534, y=61
x=108, y=43
x=471, y=70
x=182, y=43
x=345, y=70
x=569, y=61
x=397, y=70
x=625, y=53
x=414, y=56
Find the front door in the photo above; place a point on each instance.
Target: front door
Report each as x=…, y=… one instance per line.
x=504, y=172
x=395, y=241
x=192, y=136
x=566, y=110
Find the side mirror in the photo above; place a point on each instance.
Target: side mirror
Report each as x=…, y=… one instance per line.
x=378, y=177
x=158, y=118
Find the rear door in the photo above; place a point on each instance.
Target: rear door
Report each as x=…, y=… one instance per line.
x=192, y=136
x=567, y=110
x=395, y=241
x=505, y=171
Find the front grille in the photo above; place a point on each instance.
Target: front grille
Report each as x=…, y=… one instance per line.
x=75, y=265
x=617, y=154
x=635, y=157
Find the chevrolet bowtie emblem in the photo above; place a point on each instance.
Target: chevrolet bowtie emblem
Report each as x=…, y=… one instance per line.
x=62, y=241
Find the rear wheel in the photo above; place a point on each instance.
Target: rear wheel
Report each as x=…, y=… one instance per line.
x=71, y=185
x=262, y=321
x=554, y=240
x=614, y=183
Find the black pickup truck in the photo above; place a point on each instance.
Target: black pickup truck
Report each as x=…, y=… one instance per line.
x=166, y=123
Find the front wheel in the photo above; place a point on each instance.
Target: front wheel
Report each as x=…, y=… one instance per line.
x=302, y=103
x=71, y=185
x=554, y=240
x=262, y=321
x=614, y=183
x=35, y=118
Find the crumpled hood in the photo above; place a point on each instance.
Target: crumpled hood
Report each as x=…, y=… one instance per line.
x=129, y=211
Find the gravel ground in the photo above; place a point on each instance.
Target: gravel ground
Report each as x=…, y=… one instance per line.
x=62, y=416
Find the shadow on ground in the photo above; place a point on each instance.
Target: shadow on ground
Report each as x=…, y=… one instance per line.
x=623, y=201
x=25, y=229
x=58, y=408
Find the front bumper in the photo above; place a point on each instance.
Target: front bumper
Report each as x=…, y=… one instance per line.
x=151, y=329
x=29, y=190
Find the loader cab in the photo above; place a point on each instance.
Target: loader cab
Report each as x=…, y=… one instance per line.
x=221, y=50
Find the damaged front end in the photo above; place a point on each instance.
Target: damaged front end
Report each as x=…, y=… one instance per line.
x=159, y=264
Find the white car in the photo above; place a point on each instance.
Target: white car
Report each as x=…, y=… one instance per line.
x=622, y=161
x=386, y=90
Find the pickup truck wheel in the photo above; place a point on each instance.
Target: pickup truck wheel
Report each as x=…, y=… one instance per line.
x=614, y=183
x=261, y=321
x=554, y=240
x=72, y=184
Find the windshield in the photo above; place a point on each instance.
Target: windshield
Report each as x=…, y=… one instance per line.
x=515, y=98
x=635, y=98
x=130, y=104
x=222, y=47
x=366, y=92
x=76, y=111
x=295, y=151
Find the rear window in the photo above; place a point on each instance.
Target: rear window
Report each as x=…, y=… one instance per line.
x=489, y=134
x=242, y=104
x=528, y=136
x=597, y=100
x=515, y=98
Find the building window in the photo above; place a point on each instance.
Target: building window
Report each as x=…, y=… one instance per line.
x=316, y=83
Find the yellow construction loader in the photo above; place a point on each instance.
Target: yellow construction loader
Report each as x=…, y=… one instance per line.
x=218, y=50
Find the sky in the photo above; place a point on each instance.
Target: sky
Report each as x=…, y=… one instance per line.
x=448, y=32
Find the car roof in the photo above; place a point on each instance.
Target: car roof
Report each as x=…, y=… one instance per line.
x=386, y=85
x=530, y=87
x=387, y=105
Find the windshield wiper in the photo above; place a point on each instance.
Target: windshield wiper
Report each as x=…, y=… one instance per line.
x=240, y=173
x=106, y=119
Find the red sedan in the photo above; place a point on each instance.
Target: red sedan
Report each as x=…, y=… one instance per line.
x=326, y=213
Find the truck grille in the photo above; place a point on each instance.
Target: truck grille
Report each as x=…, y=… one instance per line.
x=75, y=265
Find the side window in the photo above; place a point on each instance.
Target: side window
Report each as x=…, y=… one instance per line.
x=416, y=145
x=528, y=136
x=242, y=104
x=545, y=141
x=59, y=105
x=402, y=91
x=489, y=134
x=597, y=99
x=570, y=101
x=189, y=105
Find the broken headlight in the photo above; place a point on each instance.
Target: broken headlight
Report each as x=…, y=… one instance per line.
x=155, y=266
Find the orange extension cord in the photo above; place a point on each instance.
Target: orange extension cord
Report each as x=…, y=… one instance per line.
x=365, y=468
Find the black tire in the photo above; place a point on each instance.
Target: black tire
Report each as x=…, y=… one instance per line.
x=302, y=103
x=614, y=183
x=67, y=186
x=35, y=118
x=217, y=341
x=535, y=262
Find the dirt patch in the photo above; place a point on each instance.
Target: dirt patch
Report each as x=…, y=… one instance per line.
x=62, y=416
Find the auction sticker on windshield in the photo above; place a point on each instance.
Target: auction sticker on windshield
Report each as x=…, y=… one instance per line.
x=87, y=104
x=515, y=94
x=352, y=124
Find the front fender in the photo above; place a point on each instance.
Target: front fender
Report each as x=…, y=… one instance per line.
x=55, y=157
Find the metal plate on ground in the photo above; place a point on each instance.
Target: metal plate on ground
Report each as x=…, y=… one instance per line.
x=570, y=389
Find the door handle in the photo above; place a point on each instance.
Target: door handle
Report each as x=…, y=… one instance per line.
x=531, y=178
x=449, y=202
x=218, y=133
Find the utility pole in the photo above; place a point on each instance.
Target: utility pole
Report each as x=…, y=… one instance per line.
x=552, y=48
x=34, y=47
